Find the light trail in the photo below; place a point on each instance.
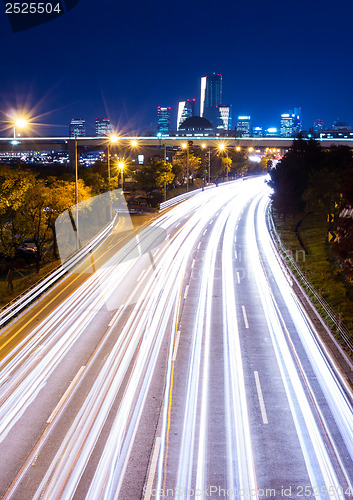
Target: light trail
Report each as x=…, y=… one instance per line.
x=144, y=297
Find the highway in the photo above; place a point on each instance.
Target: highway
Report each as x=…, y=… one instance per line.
x=181, y=365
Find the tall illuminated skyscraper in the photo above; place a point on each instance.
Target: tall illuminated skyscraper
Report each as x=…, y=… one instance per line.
x=211, y=97
x=103, y=127
x=163, y=115
x=225, y=117
x=77, y=127
x=186, y=109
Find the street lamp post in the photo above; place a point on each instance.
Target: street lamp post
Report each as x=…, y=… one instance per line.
x=186, y=146
x=76, y=192
x=209, y=161
x=121, y=165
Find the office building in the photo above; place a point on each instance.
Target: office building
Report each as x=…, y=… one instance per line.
x=243, y=126
x=319, y=125
x=163, y=116
x=291, y=123
x=225, y=117
x=186, y=109
x=77, y=127
x=211, y=97
x=257, y=132
x=103, y=127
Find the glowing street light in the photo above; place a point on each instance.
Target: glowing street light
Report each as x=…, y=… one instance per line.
x=121, y=165
x=113, y=139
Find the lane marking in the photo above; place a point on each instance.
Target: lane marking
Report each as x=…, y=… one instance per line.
x=235, y=254
x=245, y=317
x=177, y=225
x=235, y=239
x=186, y=291
x=205, y=231
x=115, y=315
x=238, y=277
x=211, y=221
x=176, y=345
x=65, y=395
x=153, y=468
x=143, y=272
x=193, y=264
x=261, y=399
x=198, y=246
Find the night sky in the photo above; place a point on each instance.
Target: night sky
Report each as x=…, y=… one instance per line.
x=123, y=59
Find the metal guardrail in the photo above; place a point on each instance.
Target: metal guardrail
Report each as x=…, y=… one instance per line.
x=322, y=306
x=185, y=196
x=33, y=292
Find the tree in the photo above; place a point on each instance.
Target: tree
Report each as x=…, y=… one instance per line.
x=154, y=175
x=14, y=186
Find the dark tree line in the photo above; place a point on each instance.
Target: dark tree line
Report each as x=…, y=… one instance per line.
x=310, y=179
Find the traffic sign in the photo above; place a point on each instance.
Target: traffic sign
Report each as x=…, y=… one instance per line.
x=332, y=236
x=330, y=217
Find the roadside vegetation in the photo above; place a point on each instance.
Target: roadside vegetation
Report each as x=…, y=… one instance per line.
x=312, y=204
x=32, y=198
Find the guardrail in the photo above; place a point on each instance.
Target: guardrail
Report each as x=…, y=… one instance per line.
x=185, y=196
x=322, y=306
x=33, y=292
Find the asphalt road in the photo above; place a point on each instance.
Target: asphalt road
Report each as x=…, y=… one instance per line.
x=177, y=364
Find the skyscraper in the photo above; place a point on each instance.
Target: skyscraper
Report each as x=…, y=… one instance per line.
x=290, y=123
x=163, y=115
x=103, y=127
x=225, y=117
x=243, y=126
x=211, y=97
x=186, y=109
x=77, y=127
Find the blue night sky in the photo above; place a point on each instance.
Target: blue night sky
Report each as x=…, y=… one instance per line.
x=123, y=59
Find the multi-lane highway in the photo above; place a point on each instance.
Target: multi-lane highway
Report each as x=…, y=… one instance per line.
x=180, y=365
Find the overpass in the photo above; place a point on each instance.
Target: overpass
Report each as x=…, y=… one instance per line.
x=43, y=144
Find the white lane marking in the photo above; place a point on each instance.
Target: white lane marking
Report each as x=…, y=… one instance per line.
x=245, y=317
x=235, y=254
x=236, y=227
x=235, y=239
x=211, y=221
x=198, y=246
x=153, y=467
x=115, y=316
x=65, y=395
x=238, y=277
x=186, y=291
x=261, y=399
x=205, y=231
x=177, y=225
x=193, y=264
x=176, y=345
x=143, y=272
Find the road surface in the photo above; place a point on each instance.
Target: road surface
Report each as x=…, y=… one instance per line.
x=181, y=365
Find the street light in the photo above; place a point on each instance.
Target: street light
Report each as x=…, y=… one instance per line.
x=209, y=161
x=222, y=148
x=112, y=140
x=121, y=165
x=185, y=145
x=20, y=123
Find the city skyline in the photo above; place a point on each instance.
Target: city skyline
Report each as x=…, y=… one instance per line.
x=57, y=70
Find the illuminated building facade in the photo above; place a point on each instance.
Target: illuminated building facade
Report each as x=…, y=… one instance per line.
x=225, y=117
x=77, y=127
x=211, y=97
x=103, y=127
x=186, y=109
x=243, y=126
x=291, y=123
x=163, y=116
